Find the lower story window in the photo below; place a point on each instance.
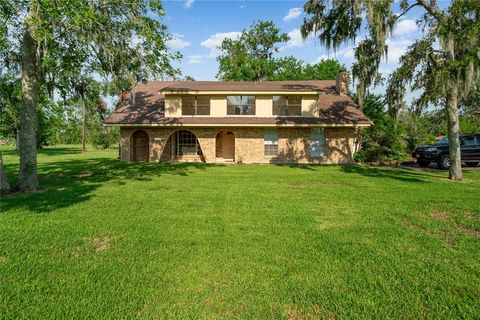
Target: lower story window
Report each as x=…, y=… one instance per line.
x=271, y=142
x=186, y=144
x=317, y=142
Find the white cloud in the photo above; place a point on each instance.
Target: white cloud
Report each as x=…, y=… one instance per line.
x=188, y=4
x=293, y=14
x=396, y=48
x=347, y=53
x=296, y=39
x=216, y=40
x=405, y=26
x=177, y=42
x=196, y=59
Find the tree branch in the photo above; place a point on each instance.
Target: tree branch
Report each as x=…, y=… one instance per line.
x=432, y=10
x=408, y=9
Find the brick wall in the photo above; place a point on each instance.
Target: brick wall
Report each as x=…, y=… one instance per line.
x=293, y=144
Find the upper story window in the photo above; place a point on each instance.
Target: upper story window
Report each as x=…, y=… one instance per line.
x=195, y=105
x=287, y=105
x=241, y=105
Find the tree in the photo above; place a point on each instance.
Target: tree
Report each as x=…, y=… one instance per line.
x=443, y=73
x=10, y=99
x=4, y=185
x=290, y=68
x=379, y=142
x=325, y=69
x=124, y=42
x=250, y=57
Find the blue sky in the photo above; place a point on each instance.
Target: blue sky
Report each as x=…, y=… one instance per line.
x=200, y=25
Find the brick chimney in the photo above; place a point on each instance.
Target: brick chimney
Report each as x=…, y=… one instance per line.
x=342, y=80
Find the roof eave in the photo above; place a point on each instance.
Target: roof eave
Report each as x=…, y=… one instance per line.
x=317, y=125
x=238, y=92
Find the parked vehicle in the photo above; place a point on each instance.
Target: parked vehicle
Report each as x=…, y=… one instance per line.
x=438, y=152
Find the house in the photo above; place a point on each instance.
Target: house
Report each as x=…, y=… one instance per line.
x=249, y=122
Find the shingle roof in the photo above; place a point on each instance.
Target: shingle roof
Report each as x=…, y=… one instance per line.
x=288, y=86
x=146, y=107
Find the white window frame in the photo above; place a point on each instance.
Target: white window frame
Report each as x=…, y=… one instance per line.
x=270, y=141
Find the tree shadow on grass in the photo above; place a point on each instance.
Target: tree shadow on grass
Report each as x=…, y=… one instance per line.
x=67, y=183
x=389, y=173
x=58, y=151
x=298, y=166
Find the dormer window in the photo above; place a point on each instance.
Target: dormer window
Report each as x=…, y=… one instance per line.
x=195, y=105
x=287, y=105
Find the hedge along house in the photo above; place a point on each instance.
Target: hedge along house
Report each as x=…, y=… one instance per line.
x=250, y=122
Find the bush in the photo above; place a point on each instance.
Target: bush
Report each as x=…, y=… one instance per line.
x=104, y=137
x=381, y=141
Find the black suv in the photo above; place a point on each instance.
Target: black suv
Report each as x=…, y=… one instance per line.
x=438, y=152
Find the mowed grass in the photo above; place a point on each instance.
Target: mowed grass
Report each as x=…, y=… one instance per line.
x=111, y=240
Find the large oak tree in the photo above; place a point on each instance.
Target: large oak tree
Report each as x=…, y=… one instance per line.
x=442, y=64
x=122, y=41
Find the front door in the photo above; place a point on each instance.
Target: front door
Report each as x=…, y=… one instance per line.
x=140, y=146
x=228, y=145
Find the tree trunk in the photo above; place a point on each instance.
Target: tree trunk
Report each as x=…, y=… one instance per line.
x=17, y=140
x=361, y=92
x=27, y=177
x=455, y=173
x=4, y=185
x=84, y=125
x=454, y=150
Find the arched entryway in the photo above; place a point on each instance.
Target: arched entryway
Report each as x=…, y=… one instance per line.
x=183, y=146
x=225, y=146
x=140, y=146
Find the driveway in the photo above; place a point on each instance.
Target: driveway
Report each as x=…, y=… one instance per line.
x=411, y=165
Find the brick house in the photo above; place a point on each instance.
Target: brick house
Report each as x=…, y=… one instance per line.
x=249, y=122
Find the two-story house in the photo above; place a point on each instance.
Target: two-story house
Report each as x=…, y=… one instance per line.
x=249, y=122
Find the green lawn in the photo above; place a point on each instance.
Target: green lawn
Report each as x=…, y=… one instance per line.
x=112, y=240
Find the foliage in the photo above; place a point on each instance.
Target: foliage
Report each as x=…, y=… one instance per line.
x=290, y=68
x=442, y=65
x=55, y=45
x=104, y=137
x=251, y=58
x=10, y=99
x=112, y=240
x=381, y=141
x=325, y=69
x=415, y=130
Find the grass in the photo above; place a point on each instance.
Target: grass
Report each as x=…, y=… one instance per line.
x=113, y=240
